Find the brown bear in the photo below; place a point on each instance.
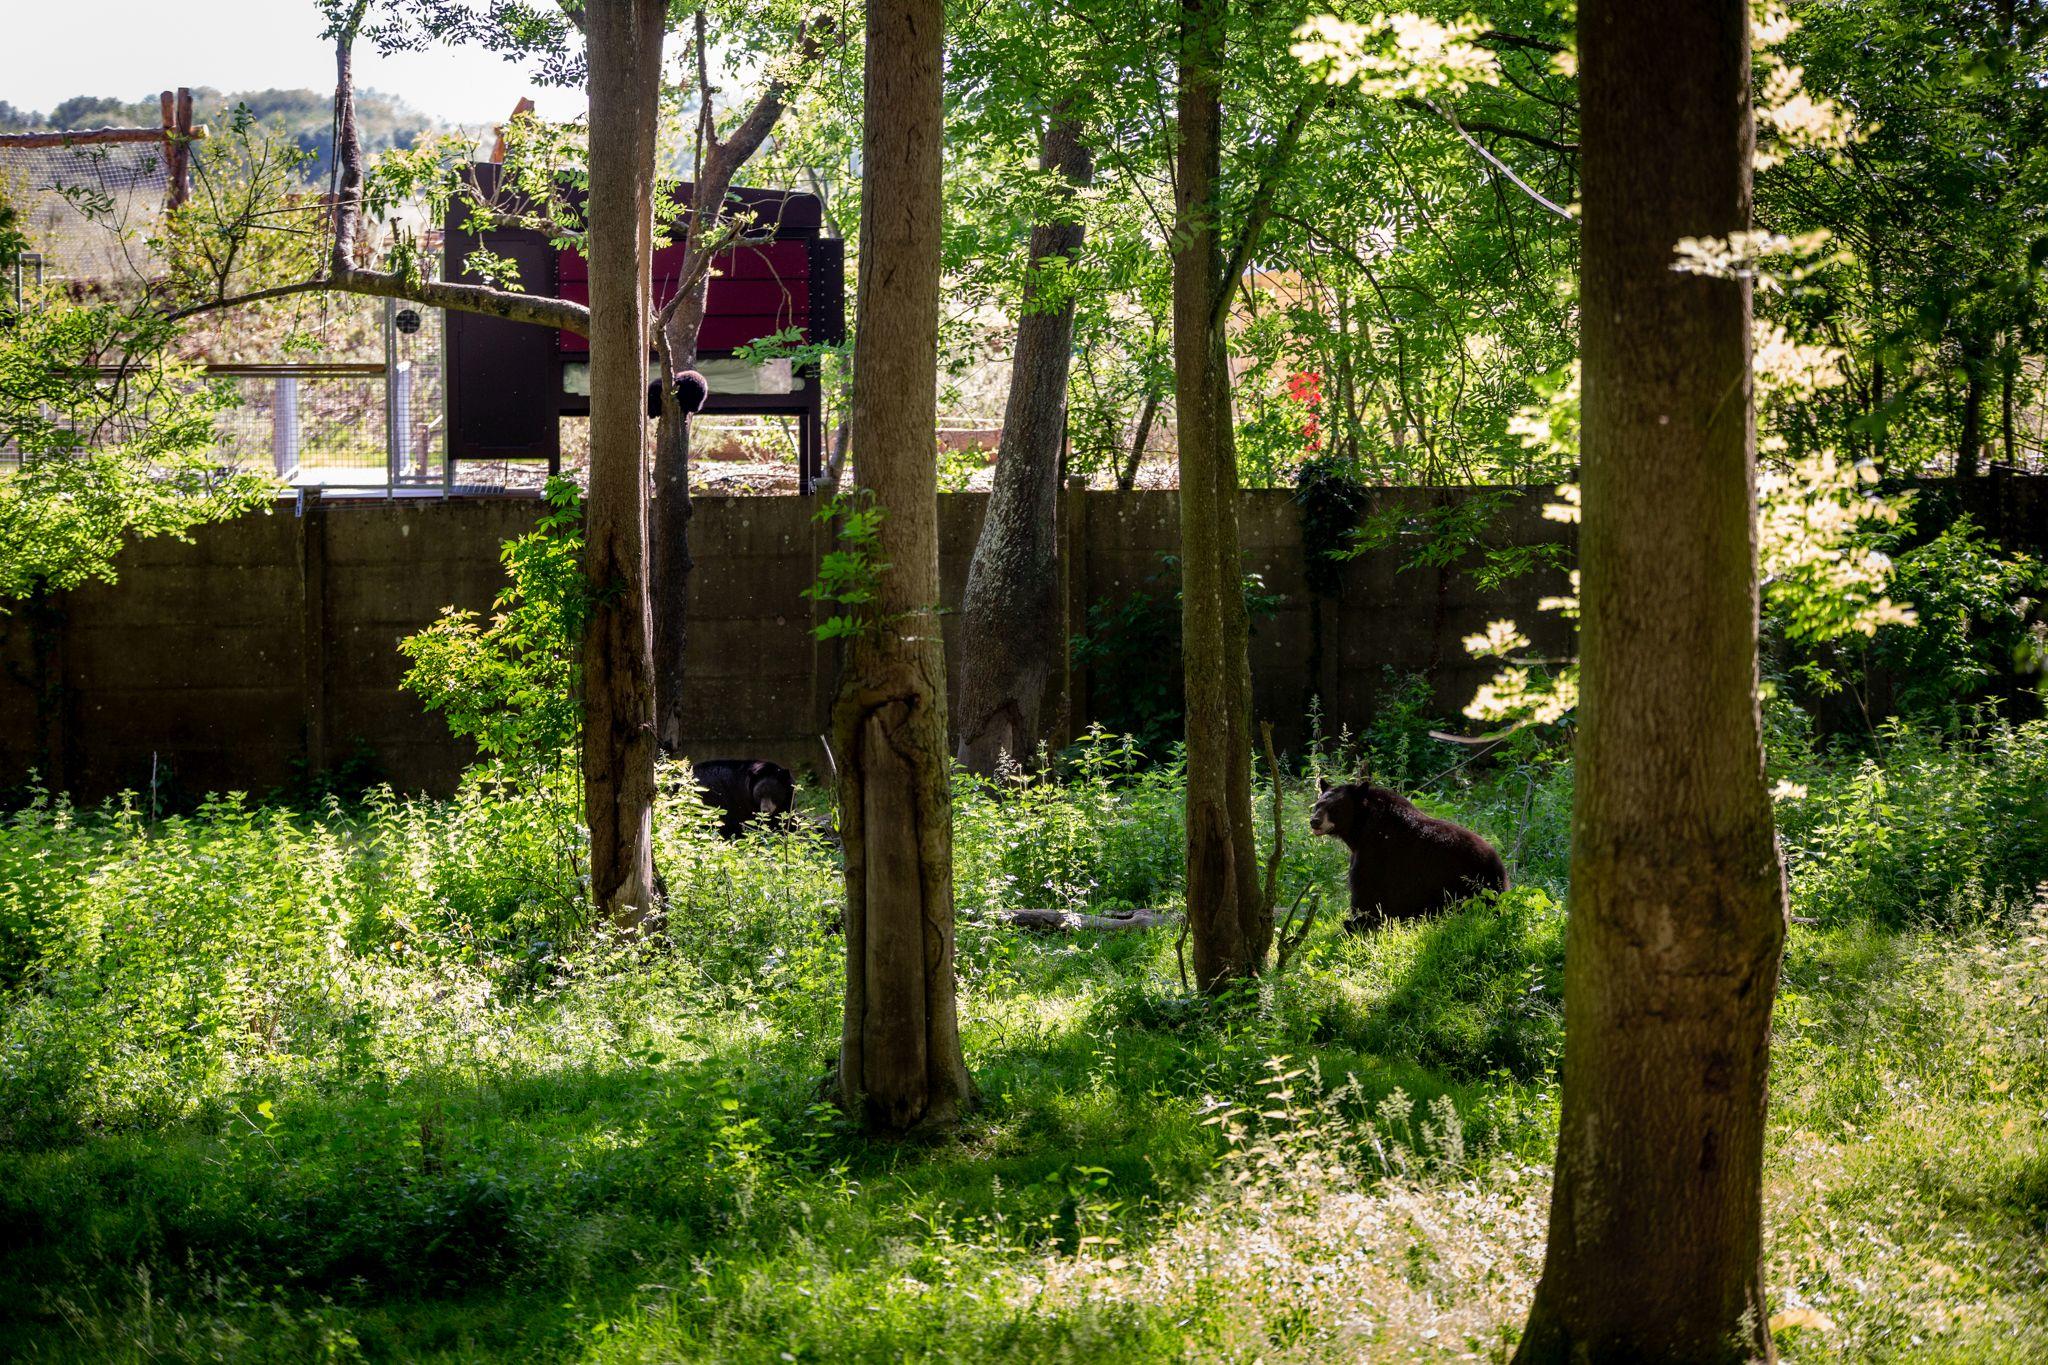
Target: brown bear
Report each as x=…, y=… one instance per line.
x=1404, y=864
x=744, y=789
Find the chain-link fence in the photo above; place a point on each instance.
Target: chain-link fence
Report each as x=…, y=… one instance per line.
x=347, y=425
x=368, y=412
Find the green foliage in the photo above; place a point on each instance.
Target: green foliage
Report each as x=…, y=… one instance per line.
x=278, y=1084
x=1936, y=215
x=1131, y=650
x=1331, y=498
x=104, y=454
x=1931, y=833
x=1479, y=994
x=1436, y=534
x=1980, y=623
x=850, y=576
x=1102, y=828
x=513, y=684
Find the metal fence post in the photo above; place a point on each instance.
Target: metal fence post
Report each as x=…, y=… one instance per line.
x=394, y=473
x=284, y=425
x=401, y=422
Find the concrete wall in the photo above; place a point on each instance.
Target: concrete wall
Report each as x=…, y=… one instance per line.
x=265, y=648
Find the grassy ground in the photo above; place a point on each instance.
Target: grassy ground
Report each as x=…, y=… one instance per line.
x=283, y=1085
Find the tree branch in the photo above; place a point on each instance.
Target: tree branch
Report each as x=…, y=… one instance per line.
x=463, y=298
x=1262, y=202
x=1497, y=129
x=1499, y=39
x=1476, y=145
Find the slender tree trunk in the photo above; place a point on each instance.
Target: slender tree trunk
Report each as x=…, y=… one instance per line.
x=677, y=329
x=2008, y=381
x=1012, y=620
x=1229, y=926
x=618, y=658
x=1878, y=441
x=676, y=342
x=1148, y=411
x=900, y=1064
x=1677, y=899
x=1970, y=444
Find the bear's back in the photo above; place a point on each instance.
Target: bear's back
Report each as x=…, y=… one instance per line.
x=1406, y=864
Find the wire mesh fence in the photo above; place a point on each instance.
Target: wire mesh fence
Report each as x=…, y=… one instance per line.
x=368, y=412
x=87, y=210
x=340, y=425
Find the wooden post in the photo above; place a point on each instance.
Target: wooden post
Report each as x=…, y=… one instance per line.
x=313, y=625
x=176, y=110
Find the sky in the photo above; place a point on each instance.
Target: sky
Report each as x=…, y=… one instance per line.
x=53, y=49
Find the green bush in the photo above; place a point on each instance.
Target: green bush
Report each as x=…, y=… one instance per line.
x=1927, y=831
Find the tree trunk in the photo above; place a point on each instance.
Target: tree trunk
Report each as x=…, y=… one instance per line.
x=678, y=327
x=900, y=1064
x=676, y=344
x=618, y=659
x=1012, y=617
x=1970, y=445
x=1677, y=898
x=1229, y=926
x=2008, y=381
x=1127, y=477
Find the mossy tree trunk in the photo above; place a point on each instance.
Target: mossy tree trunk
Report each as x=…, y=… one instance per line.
x=900, y=1064
x=1012, y=618
x=624, y=39
x=1677, y=900
x=1229, y=925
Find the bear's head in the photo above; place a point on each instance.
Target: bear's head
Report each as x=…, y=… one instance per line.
x=772, y=786
x=1347, y=809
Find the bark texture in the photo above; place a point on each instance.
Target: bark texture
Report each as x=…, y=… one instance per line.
x=1229, y=925
x=1012, y=616
x=624, y=39
x=1677, y=900
x=900, y=1064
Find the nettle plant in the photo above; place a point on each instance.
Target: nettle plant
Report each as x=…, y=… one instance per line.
x=850, y=576
x=510, y=683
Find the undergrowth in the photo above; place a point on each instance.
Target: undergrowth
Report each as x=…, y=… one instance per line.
x=361, y=1082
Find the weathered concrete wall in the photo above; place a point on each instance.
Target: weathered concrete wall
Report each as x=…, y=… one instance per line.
x=265, y=649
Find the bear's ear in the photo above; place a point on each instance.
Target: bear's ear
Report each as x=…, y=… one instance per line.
x=1322, y=785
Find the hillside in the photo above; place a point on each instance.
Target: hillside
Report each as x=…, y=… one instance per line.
x=306, y=116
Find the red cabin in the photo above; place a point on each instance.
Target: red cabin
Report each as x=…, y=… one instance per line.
x=510, y=384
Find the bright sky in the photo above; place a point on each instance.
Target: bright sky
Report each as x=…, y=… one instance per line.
x=53, y=49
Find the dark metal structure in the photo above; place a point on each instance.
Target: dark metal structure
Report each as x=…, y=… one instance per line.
x=510, y=384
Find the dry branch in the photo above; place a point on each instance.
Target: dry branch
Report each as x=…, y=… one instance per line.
x=1067, y=921
x=82, y=137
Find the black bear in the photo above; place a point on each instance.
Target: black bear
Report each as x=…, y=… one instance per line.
x=740, y=789
x=1404, y=864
